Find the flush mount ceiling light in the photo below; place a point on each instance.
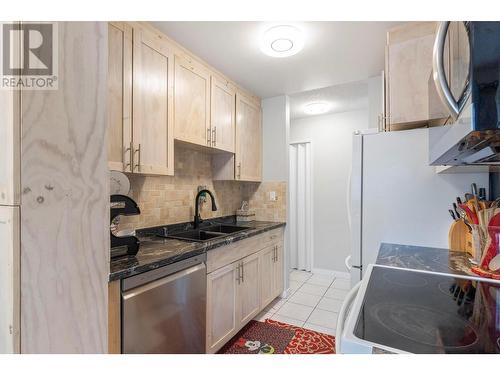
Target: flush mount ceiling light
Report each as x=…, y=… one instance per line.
x=282, y=41
x=316, y=108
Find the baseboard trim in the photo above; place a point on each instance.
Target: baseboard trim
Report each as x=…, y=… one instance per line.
x=339, y=274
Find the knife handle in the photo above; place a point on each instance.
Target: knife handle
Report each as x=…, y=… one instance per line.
x=452, y=214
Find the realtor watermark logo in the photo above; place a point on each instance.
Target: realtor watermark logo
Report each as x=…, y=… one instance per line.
x=29, y=56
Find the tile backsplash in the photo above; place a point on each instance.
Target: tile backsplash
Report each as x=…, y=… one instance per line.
x=170, y=199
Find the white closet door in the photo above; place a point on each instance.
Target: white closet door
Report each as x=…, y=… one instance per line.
x=300, y=206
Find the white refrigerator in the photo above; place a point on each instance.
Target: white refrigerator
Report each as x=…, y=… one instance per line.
x=396, y=197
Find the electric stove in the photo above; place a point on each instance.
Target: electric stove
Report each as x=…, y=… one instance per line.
x=409, y=311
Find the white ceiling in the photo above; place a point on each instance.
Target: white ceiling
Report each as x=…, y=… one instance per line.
x=342, y=98
x=334, y=53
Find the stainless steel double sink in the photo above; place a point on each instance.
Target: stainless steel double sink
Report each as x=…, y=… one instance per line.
x=207, y=233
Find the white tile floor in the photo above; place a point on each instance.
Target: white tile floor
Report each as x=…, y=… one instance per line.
x=313, y=303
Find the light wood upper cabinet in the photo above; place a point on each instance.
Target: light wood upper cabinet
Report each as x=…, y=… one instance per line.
x=10, y=126
x=249, y=292
x=140, y=101
x=153, y=104
x=248, y=158
x=410, y=95
x=192, y=102
x=222, y=306
x=222, y=115
x=119, y=96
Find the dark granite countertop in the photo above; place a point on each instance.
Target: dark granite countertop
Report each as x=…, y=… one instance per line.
x=424, y=259
x=156, y=252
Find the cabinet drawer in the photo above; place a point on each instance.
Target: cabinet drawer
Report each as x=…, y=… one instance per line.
x=224, y=255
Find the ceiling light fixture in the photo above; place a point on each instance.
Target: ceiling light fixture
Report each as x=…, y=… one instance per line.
x=316, y=108
x=282, y=41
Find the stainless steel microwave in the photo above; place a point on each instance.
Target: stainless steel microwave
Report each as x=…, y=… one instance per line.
x=466, y=74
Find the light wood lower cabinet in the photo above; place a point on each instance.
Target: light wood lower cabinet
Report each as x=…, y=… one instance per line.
x=267, y=289
x=222, y=305
x=249, y=293
x=271, y=265
x=238, y=291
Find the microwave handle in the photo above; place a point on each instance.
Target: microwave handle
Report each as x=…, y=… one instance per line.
x=454, y=107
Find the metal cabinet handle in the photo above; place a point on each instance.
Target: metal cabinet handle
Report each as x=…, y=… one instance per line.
x=208, y=137
x=214, y=136
x=454, y=107
x=276, y=253
x=138, y=165
x=238, y=174
x=239, y=274
x=130, y=151
x=242, y=272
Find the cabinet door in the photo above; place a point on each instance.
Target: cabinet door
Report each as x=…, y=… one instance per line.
x=267, y=279
x=411, y=96
x=119, y=96
x=222, y=115
x=248, y=140
x=10, y=148
x=248, y=291
x=9, y=280
x=153, y=101
x=222, y=321
x=278, y=270
x=192, y=102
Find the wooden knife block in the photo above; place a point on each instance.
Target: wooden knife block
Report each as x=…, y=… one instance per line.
x=459, y=238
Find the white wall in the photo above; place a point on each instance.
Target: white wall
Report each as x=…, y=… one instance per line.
x=276, y=134
x=375, y=100
x=331, y=137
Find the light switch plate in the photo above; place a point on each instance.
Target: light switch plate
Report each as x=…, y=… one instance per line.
x=272, y=196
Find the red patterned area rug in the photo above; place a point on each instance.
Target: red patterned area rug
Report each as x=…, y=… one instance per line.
x=273, y=337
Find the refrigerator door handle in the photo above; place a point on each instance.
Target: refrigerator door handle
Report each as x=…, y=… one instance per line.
x=343, y=315
x=349, y=193
x=347, y=264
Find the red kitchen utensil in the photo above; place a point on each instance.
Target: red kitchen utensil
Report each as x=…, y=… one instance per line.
x=491, y=248
x=494, y=233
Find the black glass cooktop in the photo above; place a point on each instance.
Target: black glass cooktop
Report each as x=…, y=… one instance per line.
x=430, y=313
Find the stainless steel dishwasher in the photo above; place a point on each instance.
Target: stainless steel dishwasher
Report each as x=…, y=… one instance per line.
x=163, y=311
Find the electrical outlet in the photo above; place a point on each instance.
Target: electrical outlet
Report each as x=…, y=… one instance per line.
x=272, y=196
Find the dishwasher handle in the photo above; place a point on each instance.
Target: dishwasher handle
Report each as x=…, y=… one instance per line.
x=343, y=315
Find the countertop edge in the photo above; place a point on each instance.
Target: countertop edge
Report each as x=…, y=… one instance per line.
x=200, y=249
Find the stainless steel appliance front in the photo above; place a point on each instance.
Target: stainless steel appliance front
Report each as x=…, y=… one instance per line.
x=163, y=311
x=470, y=92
